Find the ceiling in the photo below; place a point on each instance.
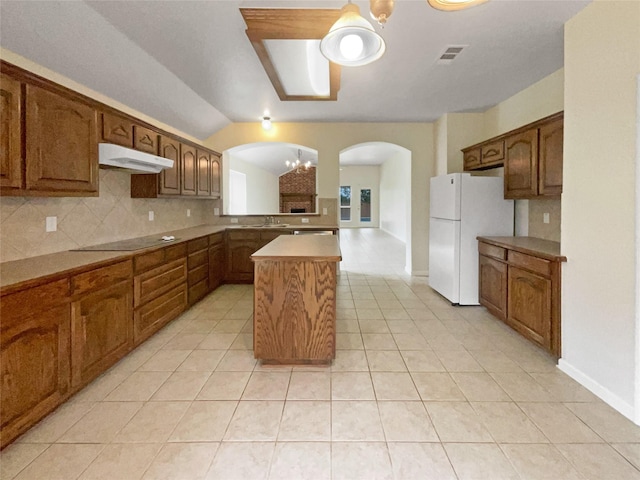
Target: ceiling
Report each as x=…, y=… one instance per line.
x=189, y=63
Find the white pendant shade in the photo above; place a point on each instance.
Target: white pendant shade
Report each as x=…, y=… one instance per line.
x=352, y=41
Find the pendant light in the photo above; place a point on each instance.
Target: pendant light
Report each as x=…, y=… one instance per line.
x=381, y=10
x=352, y=41
x=452, y=5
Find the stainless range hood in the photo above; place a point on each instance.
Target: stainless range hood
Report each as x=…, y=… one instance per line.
x=132, y=161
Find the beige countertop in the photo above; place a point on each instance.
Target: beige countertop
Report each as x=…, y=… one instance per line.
x=19, y=274
x=546, y=249
x=301, y=248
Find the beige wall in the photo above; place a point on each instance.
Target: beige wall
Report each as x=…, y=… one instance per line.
x=602, y=62
x=329, y=139
x=263, y=189
x=395, y=174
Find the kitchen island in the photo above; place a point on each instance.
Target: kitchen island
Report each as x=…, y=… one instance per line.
x=294, y=315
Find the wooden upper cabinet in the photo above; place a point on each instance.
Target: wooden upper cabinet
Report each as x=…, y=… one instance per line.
x=521, y=165
x=550, y=168
x=204, y=173
x=169, y=183
x=471, y=158
x=10, y=133
x=145, y=140
x=216, y=168
x=493, y=153
x=116, y=129
x=61, y=143
x=189, y=170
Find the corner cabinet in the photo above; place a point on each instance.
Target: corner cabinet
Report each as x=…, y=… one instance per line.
x=519, y=283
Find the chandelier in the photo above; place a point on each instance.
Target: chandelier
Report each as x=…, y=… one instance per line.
x=297, y=166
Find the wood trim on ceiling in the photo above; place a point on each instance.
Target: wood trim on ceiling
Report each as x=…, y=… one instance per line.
x=290, y=24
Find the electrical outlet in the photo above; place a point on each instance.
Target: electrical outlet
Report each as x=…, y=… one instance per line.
x=325, y=211
x=305, y=220
x=51, y=224
x=216, y=211
x=545, y=217
x=234, y=220
x=151, y=215
x=188, y=212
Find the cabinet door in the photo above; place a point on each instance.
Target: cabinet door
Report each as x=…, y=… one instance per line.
x=10, y=133
x=170, y=177
x=118, y=130
x=145, y=140
x=493, y=286
x=101, y=331
x=471, y=159
x=239, y=264
x=216, y=266
x=216, y=164
x=152, y=316
x=529, y=305
x=34, y=356
x=204, y=173
x=62, y=143
x=521, y=165
x=189, y=170
x=551, y=141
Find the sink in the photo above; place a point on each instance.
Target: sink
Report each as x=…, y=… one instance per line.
x=262, y=225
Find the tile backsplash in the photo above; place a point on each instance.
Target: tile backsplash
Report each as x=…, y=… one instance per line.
x=81, y=221
x=537, y=227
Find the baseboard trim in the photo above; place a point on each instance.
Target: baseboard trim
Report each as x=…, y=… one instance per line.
x=393, y=235
x=604, y=393
x=419, y=273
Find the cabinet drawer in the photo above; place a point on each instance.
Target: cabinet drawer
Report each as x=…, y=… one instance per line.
x=101, y=277
x=198, y=291
x=149, y=318
x=198, y=259
x=528, y=262
x=197, y=244
x=16, y=306
x=198, y=274
x=493, y=152
x=492, y=251
x=216, y=238
x=149, y=260
x=153, y=283
x=243, y=235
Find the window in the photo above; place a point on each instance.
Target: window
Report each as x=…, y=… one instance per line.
x=345, y=203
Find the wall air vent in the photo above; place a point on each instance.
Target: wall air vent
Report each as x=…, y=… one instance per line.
x=450, y=54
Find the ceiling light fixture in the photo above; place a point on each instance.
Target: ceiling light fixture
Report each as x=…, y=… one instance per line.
x=298, y=166
x=381, y=10
x=352, y=41
x=451, y=5
x=266, y=123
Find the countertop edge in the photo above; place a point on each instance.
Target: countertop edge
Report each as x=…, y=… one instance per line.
x=96, y=259
x=505, y=243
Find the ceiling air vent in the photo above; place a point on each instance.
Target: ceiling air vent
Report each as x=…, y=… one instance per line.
x=450, y=54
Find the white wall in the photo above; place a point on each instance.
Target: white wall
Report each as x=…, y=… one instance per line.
x=263, y=190
x=395, y=175
x=602, y=60
x=362, y=177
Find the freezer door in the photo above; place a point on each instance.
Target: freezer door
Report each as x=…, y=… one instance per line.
x=444, y=258
x=444, y=196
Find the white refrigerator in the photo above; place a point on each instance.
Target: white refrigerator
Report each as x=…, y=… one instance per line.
x=463, y=207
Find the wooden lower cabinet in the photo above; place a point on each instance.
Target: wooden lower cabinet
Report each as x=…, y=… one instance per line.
x=529, y=309
x=35, y=356
x=523, y=289
x=101, y=331
x=493, y=286
x=241, y=244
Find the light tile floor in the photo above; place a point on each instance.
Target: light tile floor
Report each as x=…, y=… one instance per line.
x=419, y=390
